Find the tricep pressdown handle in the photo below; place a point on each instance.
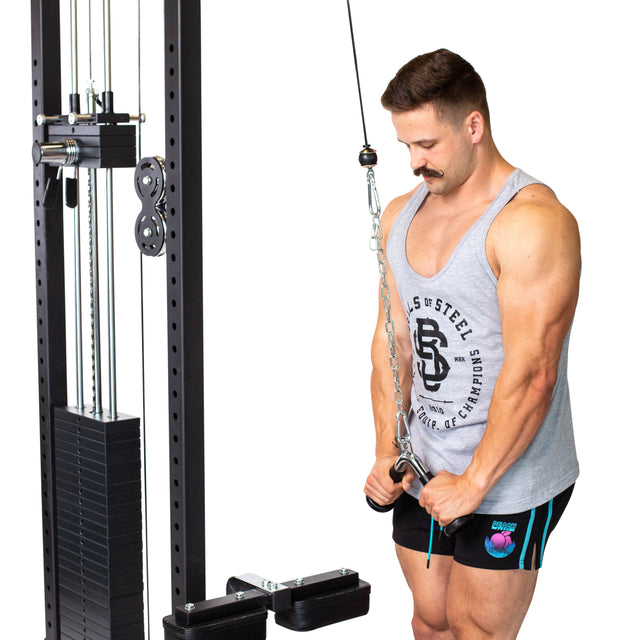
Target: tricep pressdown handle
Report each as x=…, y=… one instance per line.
x=451, y=529
x=396, y=476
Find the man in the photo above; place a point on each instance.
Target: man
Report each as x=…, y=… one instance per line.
x=484, y=272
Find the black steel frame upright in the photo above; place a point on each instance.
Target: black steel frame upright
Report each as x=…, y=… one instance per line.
x=184, y=295
x=49, y=255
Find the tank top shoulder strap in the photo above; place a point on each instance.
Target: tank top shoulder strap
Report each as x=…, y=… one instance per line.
x=398, y=233
x=517, y=181
x=476, y=237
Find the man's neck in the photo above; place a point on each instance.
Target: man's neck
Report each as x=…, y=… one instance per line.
x=483, y=183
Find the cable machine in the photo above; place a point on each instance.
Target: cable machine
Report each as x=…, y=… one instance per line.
x=91, y=454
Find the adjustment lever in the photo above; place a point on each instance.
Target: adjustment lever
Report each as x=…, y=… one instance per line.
x=52, y=190
x=71, y=193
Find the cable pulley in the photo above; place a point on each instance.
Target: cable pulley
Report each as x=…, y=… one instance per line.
x=368, y=157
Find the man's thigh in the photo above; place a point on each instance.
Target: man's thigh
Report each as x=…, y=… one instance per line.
x=428, y=586
x=484, y=603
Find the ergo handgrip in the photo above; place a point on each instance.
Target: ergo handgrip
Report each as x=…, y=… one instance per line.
x=451, y=529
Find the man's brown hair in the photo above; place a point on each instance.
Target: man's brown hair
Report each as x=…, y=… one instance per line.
x=440, y=78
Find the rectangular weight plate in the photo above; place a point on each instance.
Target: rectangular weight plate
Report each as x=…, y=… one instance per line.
x=105, y=572
x=99, y=517
x=75, y=632
x=118, y=549
x=124, y=620
x=94, y=460
x=121, y=451
x=95, y=630
x=116, y=562
x=115, y=608
x=77, y=538
x=98, y=500
x=100, y=573
x=81, y=476
x=96, y=587
x=99, y=428
x=72, y=499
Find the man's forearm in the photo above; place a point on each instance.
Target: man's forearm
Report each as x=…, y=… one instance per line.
x=518, y=408
x=383, y=396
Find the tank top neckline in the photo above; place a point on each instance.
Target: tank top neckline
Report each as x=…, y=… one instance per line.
x=416, y=202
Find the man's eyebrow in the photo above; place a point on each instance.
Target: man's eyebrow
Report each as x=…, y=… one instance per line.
x=423, y=141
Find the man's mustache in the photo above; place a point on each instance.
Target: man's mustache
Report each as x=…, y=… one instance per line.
x=428, y=173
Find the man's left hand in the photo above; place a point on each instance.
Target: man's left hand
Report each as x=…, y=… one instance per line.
x=449, y=496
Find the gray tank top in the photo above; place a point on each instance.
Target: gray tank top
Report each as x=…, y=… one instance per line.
x=455, y=328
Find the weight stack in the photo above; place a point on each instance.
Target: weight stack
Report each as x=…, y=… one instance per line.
x=98, y=493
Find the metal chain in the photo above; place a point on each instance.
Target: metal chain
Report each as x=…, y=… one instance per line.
x=376, y=245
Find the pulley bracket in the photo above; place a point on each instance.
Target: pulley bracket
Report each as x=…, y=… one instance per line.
x=151, y=224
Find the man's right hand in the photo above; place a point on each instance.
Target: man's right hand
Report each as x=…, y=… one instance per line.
x=379, y=485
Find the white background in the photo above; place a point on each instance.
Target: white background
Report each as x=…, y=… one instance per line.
x=290, y=288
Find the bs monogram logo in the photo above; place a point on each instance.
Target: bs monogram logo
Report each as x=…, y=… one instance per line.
x=428, y=340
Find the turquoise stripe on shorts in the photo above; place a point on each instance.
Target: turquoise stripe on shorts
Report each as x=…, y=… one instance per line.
x=527, y=537
x=546, y=529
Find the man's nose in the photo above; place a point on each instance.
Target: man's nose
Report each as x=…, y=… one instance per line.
x=417, y=159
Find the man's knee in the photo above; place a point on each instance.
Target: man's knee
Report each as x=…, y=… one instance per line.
x=461, y=623
x=465, y=620
x=430, y=627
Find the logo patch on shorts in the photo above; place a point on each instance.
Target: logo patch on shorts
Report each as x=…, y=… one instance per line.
x=500, y=544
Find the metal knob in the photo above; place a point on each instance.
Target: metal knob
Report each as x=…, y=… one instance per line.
x=63, y=153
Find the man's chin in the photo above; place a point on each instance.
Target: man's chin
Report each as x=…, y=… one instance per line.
x=437, y=186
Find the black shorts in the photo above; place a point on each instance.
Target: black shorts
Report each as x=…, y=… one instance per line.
x=511, y=541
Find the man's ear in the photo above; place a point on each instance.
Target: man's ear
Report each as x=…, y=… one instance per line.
x=475, y=126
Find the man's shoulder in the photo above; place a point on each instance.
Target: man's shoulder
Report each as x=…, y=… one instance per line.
x=536, y=193
x=534, y=224
x=393, y=209
x=534, y=207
